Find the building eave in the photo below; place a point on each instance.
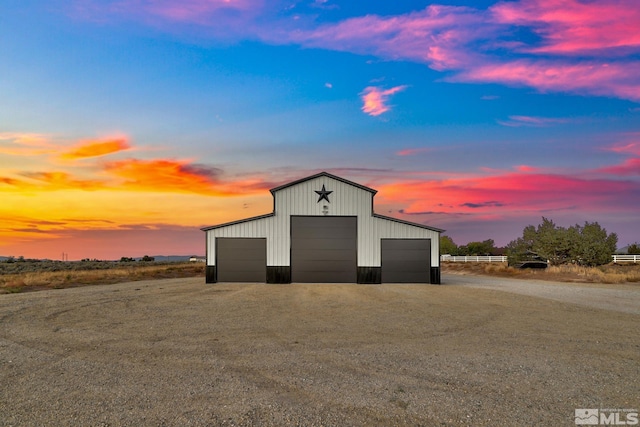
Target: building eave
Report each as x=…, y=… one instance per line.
x=318, y=175
x=415, y=224
x=227, y=224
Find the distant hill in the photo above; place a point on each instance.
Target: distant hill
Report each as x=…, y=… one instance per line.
x=170, y=258
x=158, y=258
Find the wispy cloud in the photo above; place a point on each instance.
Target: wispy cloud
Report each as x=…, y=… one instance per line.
x=517, y=121
x=582, y=47
x=25, y=144
x=375, y=99
x=593, y=77
x=413, y=151
x=572, y=27
x=53, y=181
x=98, y=148
x=167, y=175
x=626, y=148
x=626, y=168
x=523, y=193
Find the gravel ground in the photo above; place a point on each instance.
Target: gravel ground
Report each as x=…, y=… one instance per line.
x=177, y=352
x=623, y=298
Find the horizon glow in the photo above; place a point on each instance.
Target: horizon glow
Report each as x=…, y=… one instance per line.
x=127, y=126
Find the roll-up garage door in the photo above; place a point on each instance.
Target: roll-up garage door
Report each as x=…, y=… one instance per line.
x=241, y=259
x=406, y=260
x=324, y=249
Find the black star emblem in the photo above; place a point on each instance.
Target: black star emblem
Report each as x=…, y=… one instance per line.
x=324, y=194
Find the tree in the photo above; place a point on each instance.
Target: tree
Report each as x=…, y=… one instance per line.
x=447, y=246
x=594, y=246
x=147, y=258
x=633, y=249
x=486, y=247
x=585, y=245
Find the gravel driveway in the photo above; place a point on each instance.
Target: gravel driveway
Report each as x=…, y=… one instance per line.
x=622, y=298
x=178, y=352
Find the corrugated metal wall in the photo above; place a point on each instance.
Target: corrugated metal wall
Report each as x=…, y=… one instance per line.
x=301, y=199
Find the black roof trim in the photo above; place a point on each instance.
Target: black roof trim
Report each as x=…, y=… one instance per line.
x=389, y=218
x=226, y=224
x=327, y=174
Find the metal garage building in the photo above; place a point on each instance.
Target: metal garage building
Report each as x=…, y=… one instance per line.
x=323, y=230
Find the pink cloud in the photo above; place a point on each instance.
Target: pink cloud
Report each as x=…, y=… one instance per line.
x=526, y=168
x=471, y=44
x=517, y=121
x=510, y=194
x=220, y=18
x=433, y=35
x=574, y=27
x=626, y=148
x=628, y=167
x=413, y=151
x=375, y=99
x=621, y=79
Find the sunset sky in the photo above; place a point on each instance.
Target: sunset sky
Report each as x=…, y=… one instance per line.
x=126, y=125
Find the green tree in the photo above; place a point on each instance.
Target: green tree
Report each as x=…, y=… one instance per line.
x=553, y=242
x=486, y=247
x=147, y=258
x=586, y=245
x=633, y=249
x=448, y=246
x=593, y=246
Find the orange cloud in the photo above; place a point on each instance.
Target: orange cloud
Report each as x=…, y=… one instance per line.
x=375, y=99
x=25, y=144
x=162, y=175
x=96, y=148
x=48, y=181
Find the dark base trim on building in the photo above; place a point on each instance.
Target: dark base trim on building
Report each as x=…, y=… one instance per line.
x=278, y=274
x=435, y=275
x=369, y=275
x=211, y=275
x=282, y=274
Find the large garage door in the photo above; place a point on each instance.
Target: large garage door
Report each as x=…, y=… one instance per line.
x=406, y=260
x=241, y=260
x=324, y=249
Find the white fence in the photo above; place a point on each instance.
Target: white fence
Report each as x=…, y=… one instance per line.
x=625, y=258
x=450, y=258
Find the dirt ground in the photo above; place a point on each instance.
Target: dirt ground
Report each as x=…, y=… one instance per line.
x=178, y=352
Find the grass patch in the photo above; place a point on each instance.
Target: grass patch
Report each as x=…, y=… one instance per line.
x=43, y=275
x=610, y=273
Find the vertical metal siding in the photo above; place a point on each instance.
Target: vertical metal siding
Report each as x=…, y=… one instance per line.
x=244, y=229
x=345, y=200
x=301, y=199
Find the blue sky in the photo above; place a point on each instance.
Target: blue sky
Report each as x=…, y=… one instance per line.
x=126, y=125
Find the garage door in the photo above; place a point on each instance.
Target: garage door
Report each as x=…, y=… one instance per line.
x=324, y=249
x=406, y=260
x=241, y=260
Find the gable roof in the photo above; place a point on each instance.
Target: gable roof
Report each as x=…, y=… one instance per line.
x=337, y=178
x=327, y=174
